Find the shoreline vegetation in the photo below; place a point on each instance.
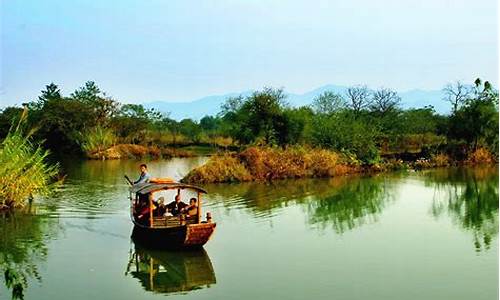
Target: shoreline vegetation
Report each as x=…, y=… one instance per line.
x=131, y=151
x=24, y=171
x=267, y=164
x=253, y=138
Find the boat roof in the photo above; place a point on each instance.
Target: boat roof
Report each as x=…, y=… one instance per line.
x=146, y=188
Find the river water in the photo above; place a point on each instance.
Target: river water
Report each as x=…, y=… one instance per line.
x=409, y=235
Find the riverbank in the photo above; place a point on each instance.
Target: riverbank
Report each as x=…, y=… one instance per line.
x=267, y=163
x=133, y=151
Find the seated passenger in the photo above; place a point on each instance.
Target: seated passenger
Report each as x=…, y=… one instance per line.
x=176, y=206
x=141, y=208
x=161, y=208
x=142, y=212
x=192, y=209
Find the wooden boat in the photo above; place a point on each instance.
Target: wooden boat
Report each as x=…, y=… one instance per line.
x=170, y=272
x=168, y=231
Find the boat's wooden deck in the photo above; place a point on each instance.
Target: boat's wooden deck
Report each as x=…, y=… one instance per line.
x=167, y=222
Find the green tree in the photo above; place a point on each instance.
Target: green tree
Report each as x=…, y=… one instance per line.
x=209, y=123
x=476, y=122
x=420, y=120
x=59, y=124
x=328, y=103
x=191, y=130
x=103, y=107
x=172, y=126
x=51, y=92
x=349, y=133
x=9, y=116
x=264, y=108
x=256, y=117
x=294, y=126
x=233, y=120
x=132, y=121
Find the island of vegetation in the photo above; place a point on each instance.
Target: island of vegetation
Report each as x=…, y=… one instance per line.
x=253, y=138
x=361, y=131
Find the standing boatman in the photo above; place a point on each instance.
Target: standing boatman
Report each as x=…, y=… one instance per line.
x=145, y=177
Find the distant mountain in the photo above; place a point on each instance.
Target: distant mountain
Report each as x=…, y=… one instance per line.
x=210, y=105
x=196, y=109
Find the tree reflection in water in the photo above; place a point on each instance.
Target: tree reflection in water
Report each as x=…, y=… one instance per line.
x=23, y=246
x=167, y=272
x=353, y=204
x=470, y=198
x=342, y=203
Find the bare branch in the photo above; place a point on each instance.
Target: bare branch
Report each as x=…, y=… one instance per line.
x=457, y=94
x=358, y=97
x=384, y=100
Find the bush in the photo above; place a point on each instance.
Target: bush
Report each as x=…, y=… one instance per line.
x=440, y=160
x=325, y=163
x=97, y=140
x=436, y=160
x=480, y=156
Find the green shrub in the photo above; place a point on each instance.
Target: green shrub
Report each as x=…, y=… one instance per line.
x=24, y=171
x=97, y=140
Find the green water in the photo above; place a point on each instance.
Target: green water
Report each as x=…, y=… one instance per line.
x=420, y=235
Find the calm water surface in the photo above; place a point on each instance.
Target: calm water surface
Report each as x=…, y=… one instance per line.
x=421, y=235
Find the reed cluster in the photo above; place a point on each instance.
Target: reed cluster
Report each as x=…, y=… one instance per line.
x=97, y=139
x=24, y=171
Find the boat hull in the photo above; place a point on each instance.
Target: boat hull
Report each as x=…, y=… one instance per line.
x=187, y=236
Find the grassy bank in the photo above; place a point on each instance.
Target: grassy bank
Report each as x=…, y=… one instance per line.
x=267, y=163
x=126, y=151
x=102, y=143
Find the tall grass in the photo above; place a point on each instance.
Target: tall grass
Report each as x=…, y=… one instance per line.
x=97, y=140
x=24, y=171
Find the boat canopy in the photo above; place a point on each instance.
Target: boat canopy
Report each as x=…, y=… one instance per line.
x=146, y=188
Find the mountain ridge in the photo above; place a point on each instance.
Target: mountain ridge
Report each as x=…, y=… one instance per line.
x=210, y=105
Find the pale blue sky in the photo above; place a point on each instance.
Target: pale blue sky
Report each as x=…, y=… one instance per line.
x=139, y=51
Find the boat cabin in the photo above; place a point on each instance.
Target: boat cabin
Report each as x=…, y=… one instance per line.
x=150, y=204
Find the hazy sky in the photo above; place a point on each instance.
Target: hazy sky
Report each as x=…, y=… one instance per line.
x=139, y=51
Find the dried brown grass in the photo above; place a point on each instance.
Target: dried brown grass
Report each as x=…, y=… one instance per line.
x=480, y=156
x=220, y=168
x=266, y=163
x=132, y=151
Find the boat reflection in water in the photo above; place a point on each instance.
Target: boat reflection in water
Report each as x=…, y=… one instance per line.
x=166, y=272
